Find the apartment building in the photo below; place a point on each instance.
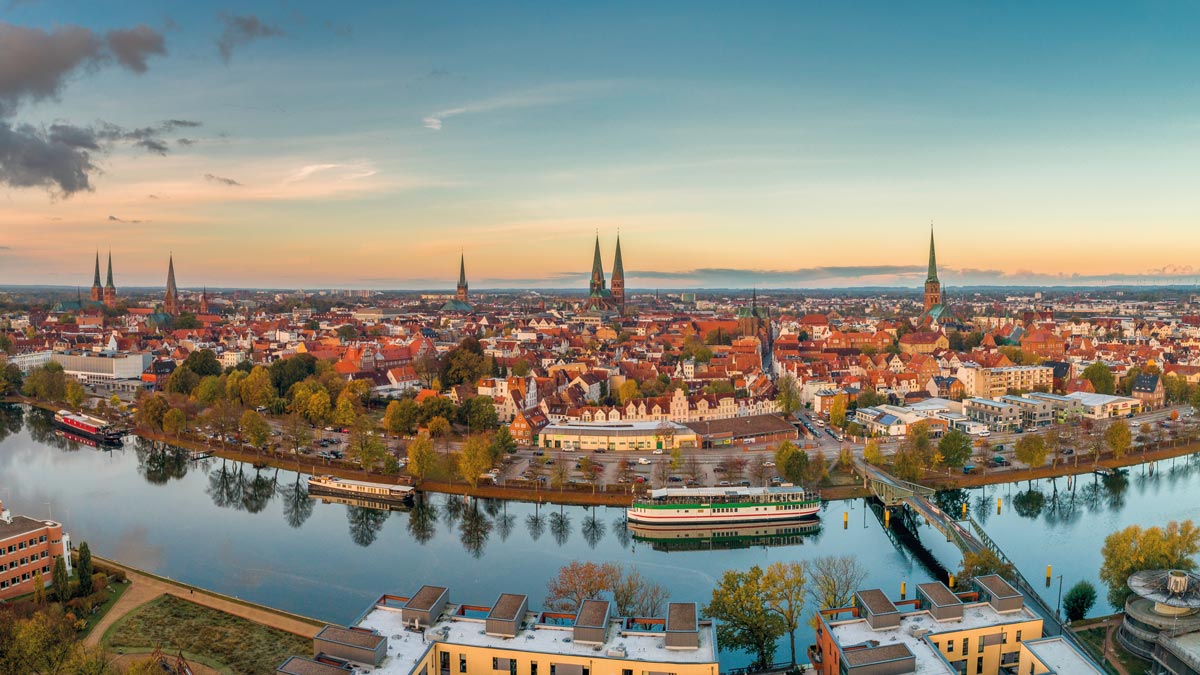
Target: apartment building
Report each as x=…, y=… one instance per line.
x=426, y=634
x=28, y=546
x=994, y=382
x=997, y=415
x=987, y=630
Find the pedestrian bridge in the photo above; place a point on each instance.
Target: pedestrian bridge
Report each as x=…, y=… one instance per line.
x=887, y=488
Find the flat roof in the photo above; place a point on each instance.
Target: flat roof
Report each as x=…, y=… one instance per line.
x=507, y=606
x=592, y=614
x=752, y=425
x=876, y=601
x=1062, y=657
x=880, y=654
x=349, y=636
x=997, y=586
x=425, y=598
x=22, y=525
x=611, y=428
x=939, y=594
x=299, y=665
x=659, y=493
x=406, y=648
x=681, y=617
x=1090, y=399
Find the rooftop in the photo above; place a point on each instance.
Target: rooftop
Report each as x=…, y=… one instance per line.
x=613, y=428
x=350, y=636
x=406, y=648
x=1061, y=657
x=425, y=598
x=22, y=525
x=507, y=606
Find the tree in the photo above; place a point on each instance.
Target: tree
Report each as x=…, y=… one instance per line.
x=785, y=596
x=210, y=390
x=1101, y=377
x=634, y=595
x=203, y=362
x=740, y=604
x=39, y=588
x=345, y=413
x=318, y=408
x=464, y=364
x=151, y=411
x=578, y=581
x=296, y=432
x=817, y=469
x=1079, y=600
x=1032, y=450
x=981, y=564
x=421, y=457
x=363, y=444
x=837, y=411
x=1134, y=549
x=401, y=416
x=479, y=413
x=869, y=398
x=628, y=391
x=955, y=448
x=257, y=389
x=788, y=395
x=47, y=382
x=872, y=454
x=475, y=459
x=832, y=580
x=85, y=569
x=62, y=584
x=503, y=443
x=439, y=427
x=74, y=393
x=1118, y=438
x=174, y=422
x=255, y=429
x=223, y=418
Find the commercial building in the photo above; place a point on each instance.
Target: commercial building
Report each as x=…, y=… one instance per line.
x=997, y=415
x=615, y=436
x=117, y=371
x=425, y=634
x=1035, y=413
x=1104, y=406
x=28, y=546
x=742, y=431
x=983, y=382
x=984, y=631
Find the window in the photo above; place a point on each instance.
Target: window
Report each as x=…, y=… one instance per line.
x=950, y=646
x=495, y=663
x=979, y=642
x=1018, y=636
x=965, y=649
x=533, y=668
x=979, y=665
x=462, y=663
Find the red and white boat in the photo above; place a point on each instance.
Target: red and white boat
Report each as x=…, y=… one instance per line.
x=89, y=427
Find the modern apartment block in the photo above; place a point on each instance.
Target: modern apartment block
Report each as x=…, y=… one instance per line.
x=995, y=382
x=28, y=546
x=426, y=634
x=985, y=631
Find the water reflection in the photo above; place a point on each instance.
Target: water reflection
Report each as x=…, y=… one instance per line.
x=474, y=529
x=12, y=420
x=536, y=524
x=297, y=506
x=160, y=463
x=365, y=524
x=708, y=538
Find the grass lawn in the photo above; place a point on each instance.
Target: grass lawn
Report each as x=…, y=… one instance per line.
x=1093, y=639
x=115, y=591
x=243, y=647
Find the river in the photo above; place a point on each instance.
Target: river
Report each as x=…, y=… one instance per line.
x=258, y=535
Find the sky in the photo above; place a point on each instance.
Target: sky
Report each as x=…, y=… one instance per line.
x=367, y=145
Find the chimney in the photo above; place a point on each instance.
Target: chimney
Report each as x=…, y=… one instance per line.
x=5, y=515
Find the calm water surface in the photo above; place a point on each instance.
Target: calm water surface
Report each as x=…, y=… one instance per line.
x=258, y=535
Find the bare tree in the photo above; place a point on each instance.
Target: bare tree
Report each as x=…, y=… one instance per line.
x=832, y=580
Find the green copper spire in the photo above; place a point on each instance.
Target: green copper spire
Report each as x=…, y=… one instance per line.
x=462, y=271
x=110, y=279
x=96, y=281
x=932, y=259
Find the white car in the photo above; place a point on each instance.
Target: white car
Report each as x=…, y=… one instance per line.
x=657, y=451
x=643, y=460
x=984, y=434
x=768, y=463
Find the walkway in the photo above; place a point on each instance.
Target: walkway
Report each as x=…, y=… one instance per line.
x=145, y=588
x=1110, y=641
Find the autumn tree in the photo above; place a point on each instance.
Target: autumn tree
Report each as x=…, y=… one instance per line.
x=635, y=595
x=578, y=581
x=1134, y=549
x=74, y=393
x=421, y=457
x=62, y=583
x=255, y=429
x=628, y=391
x=872, y=454
x=1118, y=438
x=503, y=443
x=1101, y=377
x=981, y=564
x=151, y=410
x=257, y=389
x=475, y=459
x=223, y=418
x=837, y=411
x=296, y=431
x=174, y=422
x=363, y=444
x=788, y=395
x=439, y=427
x=832, y=580
x=785, y=596
x=740, y=604
x=1032, y=450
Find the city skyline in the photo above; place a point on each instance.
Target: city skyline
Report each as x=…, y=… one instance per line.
x=294, y=147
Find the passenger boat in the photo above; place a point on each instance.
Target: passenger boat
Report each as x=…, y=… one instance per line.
x=724, y=505
x=376, y=492
x=89, y=427
x=706, y=537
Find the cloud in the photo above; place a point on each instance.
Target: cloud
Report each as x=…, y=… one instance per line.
x=131, y=46
x=35, y=63
x=541, y=96
x=186, y=142
x=221, y=180
x=242, y=30
x=122, y=220
x=61, y=158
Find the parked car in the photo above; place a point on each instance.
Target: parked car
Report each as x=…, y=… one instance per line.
x=643, y=460
x=657, y=451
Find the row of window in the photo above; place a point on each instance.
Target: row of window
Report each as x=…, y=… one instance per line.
x=17, y=579
x=22, y=545
x=23, y=561
x=500, y=664
x=966, y=642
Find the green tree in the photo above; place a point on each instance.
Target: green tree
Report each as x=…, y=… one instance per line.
x=439, y=427
x=47, y=382
x=503, y=443
x=872, y=454
x=85, y=569
x=791, y=462
x=257, y=389
x=1118, y=438
x=210, y=390
x=981, y=564
x=401, y=416
x=464, y=364
x=421, y=457
x=479, y=413
x=1032, y=450
x=955, y=448
x=74, y=393
x=785, y=596
x=475, y=459
x=1101, y=377
x=740, y=605
x=1134, y=549
x=1079, y=600
x=203, y=362
x=837, y=411
x=174, y=422
x=817, y=469
x=788, y=395
x=151, y=411
x=62, y=584
x=255, y=429
x=182, y=381
x=363, y=444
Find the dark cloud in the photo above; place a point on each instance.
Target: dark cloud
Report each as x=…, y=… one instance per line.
x=242, y=30
x=34, y=63
x=131, y=46
x=221, y=180
x=61, y=158
x=122, y=220
x=186, y=141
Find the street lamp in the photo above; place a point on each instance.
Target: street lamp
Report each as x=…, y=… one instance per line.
x=1058, y=604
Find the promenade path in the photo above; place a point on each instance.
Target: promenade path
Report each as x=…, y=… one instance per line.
x=144, y=588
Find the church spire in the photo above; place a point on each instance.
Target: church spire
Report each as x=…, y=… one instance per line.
x=171, y=299
x=932, y=276
x=462, y=278
x=110, y=279
x=617, y=284
x=96, y=280
x=597, y=282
